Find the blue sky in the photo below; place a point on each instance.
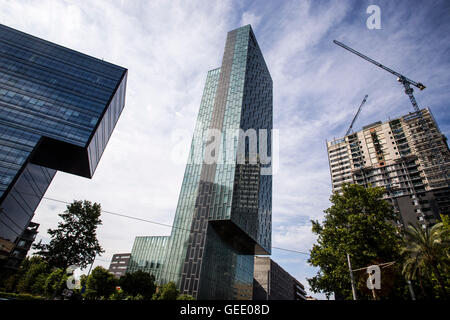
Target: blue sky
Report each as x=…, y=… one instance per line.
x=168, y=47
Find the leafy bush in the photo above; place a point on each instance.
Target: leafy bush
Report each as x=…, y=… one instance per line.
x=20, y=296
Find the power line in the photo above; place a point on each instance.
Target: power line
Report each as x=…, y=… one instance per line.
x=381, y=265
x=290, y=250
x=119, y=214
x=151, y=221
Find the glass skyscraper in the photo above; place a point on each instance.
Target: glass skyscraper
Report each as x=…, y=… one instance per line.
x=224, y=212
x=58, y=108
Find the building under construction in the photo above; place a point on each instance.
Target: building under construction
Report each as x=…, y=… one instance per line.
x=410, y=163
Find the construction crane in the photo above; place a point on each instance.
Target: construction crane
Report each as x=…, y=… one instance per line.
x=356, y=115
x=407, y=83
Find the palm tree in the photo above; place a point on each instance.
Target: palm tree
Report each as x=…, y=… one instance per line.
x=426, y=247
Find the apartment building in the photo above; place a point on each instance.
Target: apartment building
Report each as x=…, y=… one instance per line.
x=409, y=158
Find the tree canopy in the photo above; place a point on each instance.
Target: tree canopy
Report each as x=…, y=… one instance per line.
x=100, y=284
x=74, y=241
x=359, y=223
x=168, y=291
x=427, y=257
x=138, y=283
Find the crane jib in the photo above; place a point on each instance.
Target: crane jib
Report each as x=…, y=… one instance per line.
x=401, y=77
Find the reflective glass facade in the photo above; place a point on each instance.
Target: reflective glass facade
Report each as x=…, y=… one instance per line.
x=148, y=260
x=223, y=216
x=58, y=108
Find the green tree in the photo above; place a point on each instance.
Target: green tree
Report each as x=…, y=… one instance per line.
x=101, y=284
x=38, y=287
x=446, y=222
x=10, y=279
x=138, y=282
x=359, y=223
x=74, y=241
x=119, y=295
x=168, y=291
x=83, y=280
x=33, y=280
x=9, y=283
x=427, y=250
x=55, y=282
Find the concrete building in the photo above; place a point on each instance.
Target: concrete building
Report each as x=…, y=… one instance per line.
x=224, y=212
x=399, y=156
x=58, y=109
x=272, y=282
x=119, y=264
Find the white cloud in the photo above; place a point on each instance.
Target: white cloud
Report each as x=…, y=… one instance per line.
x=293, y=237
x=250, y=18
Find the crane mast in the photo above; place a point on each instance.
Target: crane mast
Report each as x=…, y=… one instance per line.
x=356, y=115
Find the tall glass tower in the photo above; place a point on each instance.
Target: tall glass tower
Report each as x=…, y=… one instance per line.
x=58, y=108
x=224, y=212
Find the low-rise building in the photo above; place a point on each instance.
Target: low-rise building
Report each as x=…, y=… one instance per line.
x=272, y=282
x=119, y=264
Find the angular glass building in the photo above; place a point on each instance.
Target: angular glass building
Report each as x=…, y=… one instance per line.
x=224, y=212
x=58, y=108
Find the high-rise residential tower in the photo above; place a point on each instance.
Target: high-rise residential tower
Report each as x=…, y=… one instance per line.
x=58, y=108
x=223, y=217
x=398, y=156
